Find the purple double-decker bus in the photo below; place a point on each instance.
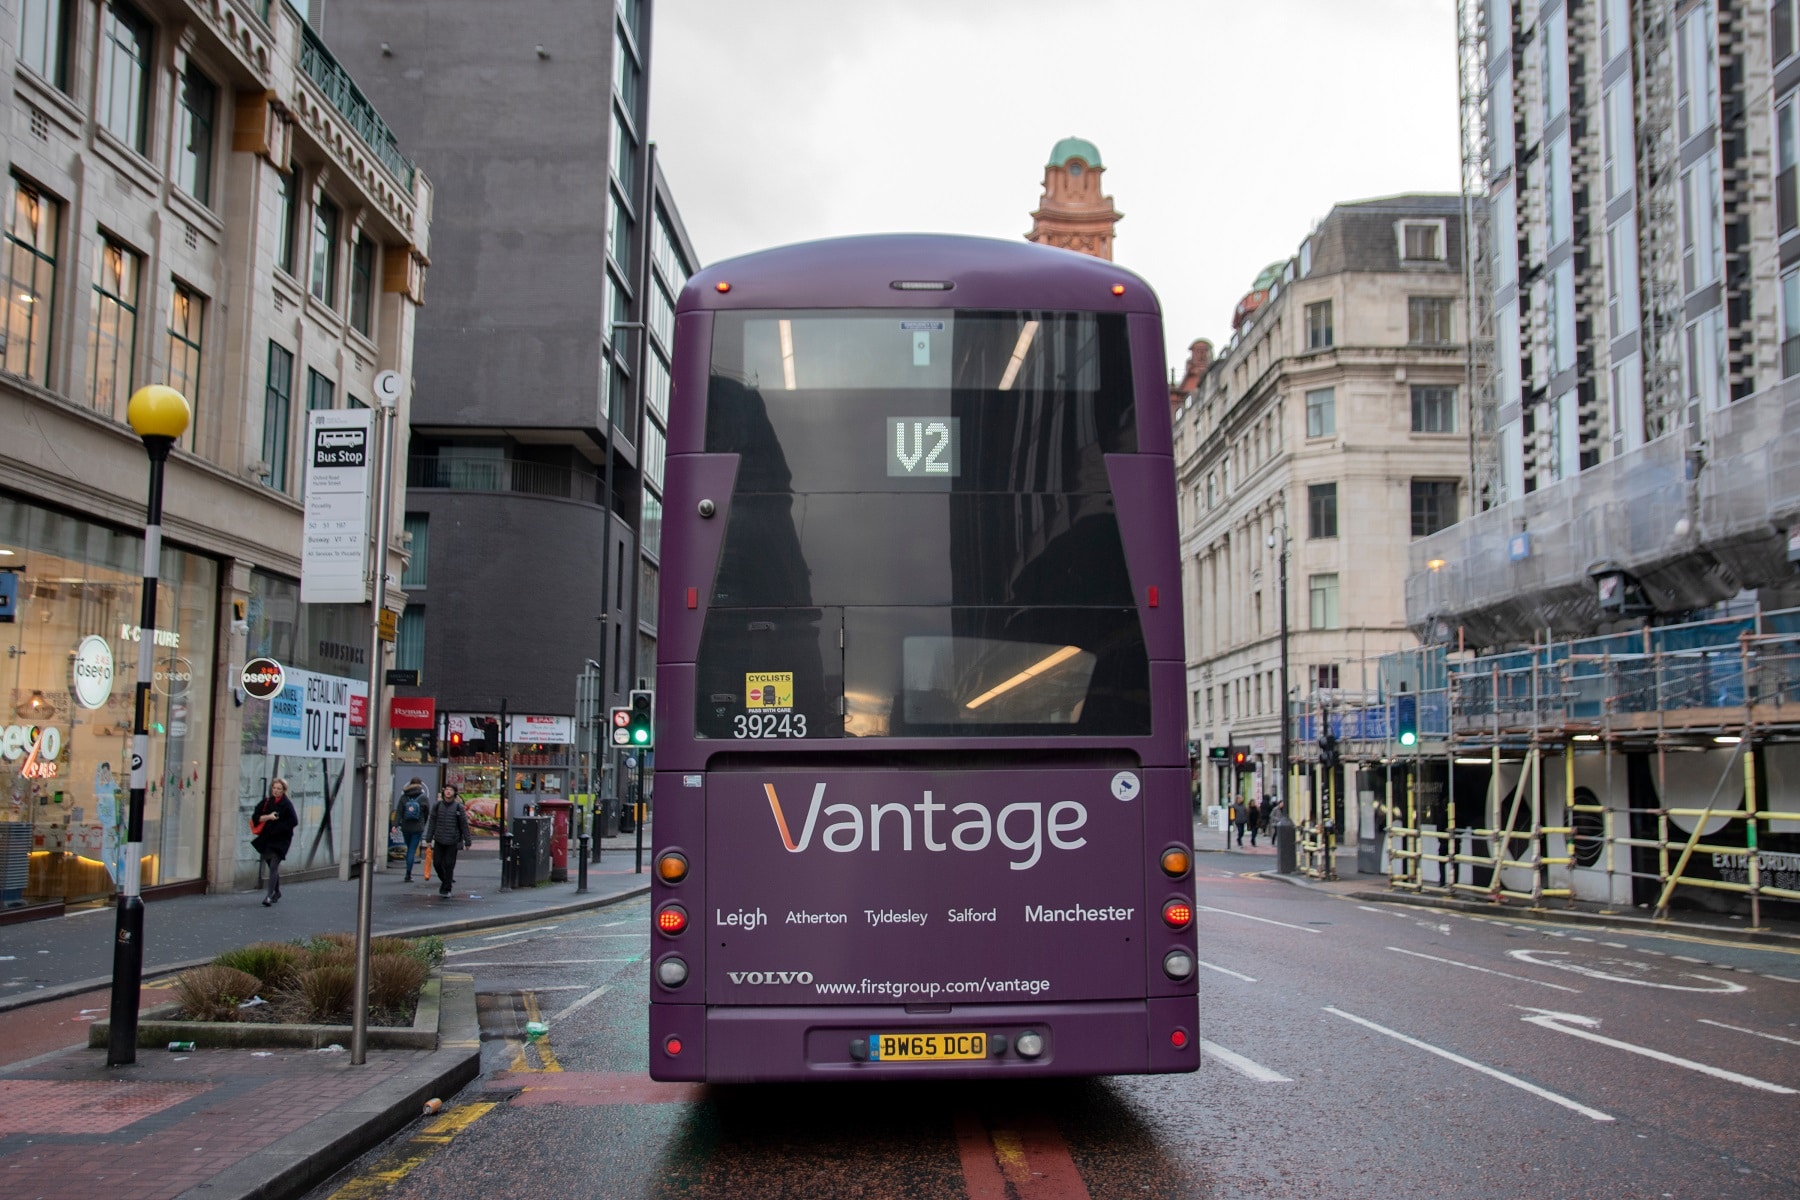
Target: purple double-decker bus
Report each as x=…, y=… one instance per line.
x=921, y=767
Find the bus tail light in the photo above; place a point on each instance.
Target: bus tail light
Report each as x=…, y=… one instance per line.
x=671, y=918
x=672, y=971
x=1178, y=914
x=1175, y=862
x=672, y=867
x=1178, y=1038
x=1029, y=1044
x=1178, y=964
x=672, y=1047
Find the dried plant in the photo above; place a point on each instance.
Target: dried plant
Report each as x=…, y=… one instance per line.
x=213, y=993
x=274, y=963
x=323, y=993
x=394, y=979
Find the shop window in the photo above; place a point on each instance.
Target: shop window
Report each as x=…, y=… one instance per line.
x=33, y=220
x=44, y=39
x=199, y=116
x=187, y=315
x=124, y=97
x=112, y=328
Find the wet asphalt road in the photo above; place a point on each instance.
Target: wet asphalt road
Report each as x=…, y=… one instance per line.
x=1351, y=1050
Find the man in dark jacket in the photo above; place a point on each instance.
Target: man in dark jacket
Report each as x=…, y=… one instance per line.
x=447, y=828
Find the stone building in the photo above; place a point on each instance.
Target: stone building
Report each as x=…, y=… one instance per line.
x=1072, y=213
x=1332, y=424
x=197, y=195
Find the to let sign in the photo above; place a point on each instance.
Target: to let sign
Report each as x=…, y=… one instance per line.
x=311, y=716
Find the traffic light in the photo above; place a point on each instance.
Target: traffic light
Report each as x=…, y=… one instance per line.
x=1406, y=720
x=1241, y=760
x=621, y=727
x=1328, y=750
x=490, y=736
x=456, y=740
x=643, y=711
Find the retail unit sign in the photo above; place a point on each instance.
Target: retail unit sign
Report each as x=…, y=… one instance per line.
x=524, y=727
x=335, y=545
x=310, y=718
x=91, y=672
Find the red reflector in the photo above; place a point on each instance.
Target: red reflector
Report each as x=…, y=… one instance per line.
x=1178, y=1039
x=1153, y=597
x=1177, y=914
x=672, y=1047
x=672, y=919
x=693, y=597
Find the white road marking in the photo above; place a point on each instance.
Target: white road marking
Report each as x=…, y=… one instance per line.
x=1582, y=1027
x=494, y=937
x=1685, y=958
x=1242, y=1065
x=1783, y=978
x=1578, y=938
x=1615, y=945
x=1386, y=912
x=1725, y=986
x=584, y=1001
x=548, y=962
x=1248, y=917
x=1591, y=1113
x=1484, y=970
x=1211, y=967
x=1773, y=1037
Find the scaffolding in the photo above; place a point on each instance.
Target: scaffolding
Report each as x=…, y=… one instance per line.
x=1640, y=768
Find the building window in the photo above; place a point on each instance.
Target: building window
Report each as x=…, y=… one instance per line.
x=289, y=229
x=1781, y=31
x=1212, y=489
x=624, y=146
x=619, y=230
x=324, y=251
x=1321, y=412
x=125, y=74
x=1318, y=325
x=1321, y=510
x=1702, y=255
x=112, y=331
x=30, y=268
x=1325, y=677
x=418, y=529
x=1433, y=505
x=1433, y=409
x=1615, y=29
x=44, y=39
x=1428, y=320
x=362, y=283
x=409, y=639
x=199, y=113
x=319, y=391
x=1787, y=155
x=1696, y=71
x=1790, y=324
x=277, y=402
x=650, y=536
x=187, y=314
x=1422, y=241
x=1323, y=591
x=1555, y=34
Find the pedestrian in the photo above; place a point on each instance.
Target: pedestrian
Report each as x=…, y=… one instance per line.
x=1253, y=818
x=409, y=815
x=1267, y=816
x=272, y=823
x=447, y=828
x=1243, y=819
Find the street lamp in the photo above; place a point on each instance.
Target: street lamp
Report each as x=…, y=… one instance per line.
x=158, y=415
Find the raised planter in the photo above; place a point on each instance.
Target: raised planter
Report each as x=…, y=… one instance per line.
x=156, y=1029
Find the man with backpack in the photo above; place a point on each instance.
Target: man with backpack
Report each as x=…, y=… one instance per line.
x=447, y=828
x=409, y=815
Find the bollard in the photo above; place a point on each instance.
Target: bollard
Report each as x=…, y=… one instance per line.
x=581, y=870
x=1285, y=863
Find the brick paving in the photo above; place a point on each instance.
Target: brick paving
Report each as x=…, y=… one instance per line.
x=168, y=1123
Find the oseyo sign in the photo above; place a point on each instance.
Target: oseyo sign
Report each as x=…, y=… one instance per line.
x=92, y=671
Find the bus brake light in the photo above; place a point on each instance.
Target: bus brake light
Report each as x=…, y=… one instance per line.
x=672, y=1047
x=1178, y=1038
x=1178, y=914
x=671, y=918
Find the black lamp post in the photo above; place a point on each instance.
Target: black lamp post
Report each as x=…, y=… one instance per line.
x=1286, y=706
x=158, y=415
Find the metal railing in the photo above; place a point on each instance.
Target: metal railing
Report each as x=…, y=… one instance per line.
x=319, y=65
x=503, y=475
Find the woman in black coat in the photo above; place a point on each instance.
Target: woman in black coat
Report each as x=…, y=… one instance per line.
x=273, y=822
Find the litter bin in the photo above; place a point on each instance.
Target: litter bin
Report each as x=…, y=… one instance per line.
x=609, y=816
x=531, y=851
x=1286, y=862
x=561, y=814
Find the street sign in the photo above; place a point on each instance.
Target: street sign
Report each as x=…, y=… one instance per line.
x=621, y=727
x=262, y=678
x=387, y=388
x=403, y=677
x=388, y=622
x=334, y=546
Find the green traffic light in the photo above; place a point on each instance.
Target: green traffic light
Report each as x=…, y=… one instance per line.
x=640, y=736
x=1409, y=738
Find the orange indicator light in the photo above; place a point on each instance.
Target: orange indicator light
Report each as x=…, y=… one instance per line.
x=1118, y=289
x=722, y=286
x=1175, y=862
x=672, y=867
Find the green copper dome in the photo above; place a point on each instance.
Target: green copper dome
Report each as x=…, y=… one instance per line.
x=1074, y=147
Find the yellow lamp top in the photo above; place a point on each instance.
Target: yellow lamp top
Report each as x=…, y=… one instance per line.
x=158, y=411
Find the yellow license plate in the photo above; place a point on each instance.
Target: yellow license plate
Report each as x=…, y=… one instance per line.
x=926, y=1047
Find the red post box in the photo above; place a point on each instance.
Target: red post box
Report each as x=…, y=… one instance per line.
x=559, y=811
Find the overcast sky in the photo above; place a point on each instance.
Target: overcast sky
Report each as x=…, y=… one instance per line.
x=1228, y=129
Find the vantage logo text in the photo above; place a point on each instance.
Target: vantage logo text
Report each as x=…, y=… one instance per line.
x=1024, y=826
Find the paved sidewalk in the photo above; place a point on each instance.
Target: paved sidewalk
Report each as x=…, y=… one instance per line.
x=62, y=956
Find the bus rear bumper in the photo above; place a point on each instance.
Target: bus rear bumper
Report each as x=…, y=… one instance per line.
x=744, y=1043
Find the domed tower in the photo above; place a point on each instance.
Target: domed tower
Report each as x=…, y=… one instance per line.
x=1072, y=213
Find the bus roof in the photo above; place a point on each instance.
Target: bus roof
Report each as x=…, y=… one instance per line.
x=860, y=272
